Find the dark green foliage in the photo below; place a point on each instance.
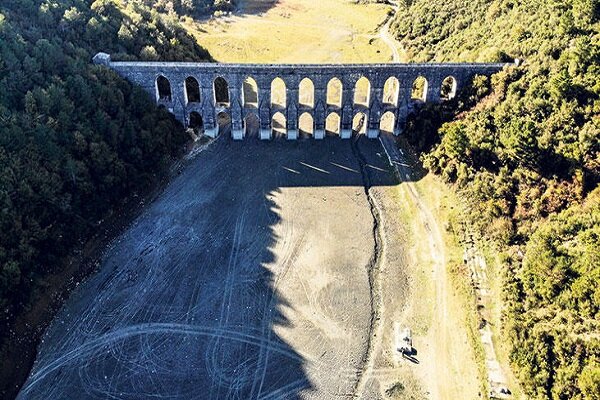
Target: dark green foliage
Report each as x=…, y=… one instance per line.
x=193, y=8
x=75, y=139
x=527, y=151
x=556, y=324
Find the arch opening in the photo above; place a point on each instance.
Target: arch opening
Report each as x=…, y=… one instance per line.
x=306, y=125
x=387, y=122
x=419, y=89
x=278, y=125
x=251, y=126
x=391, y=91
x=335, y=90
x=448, y=88
x=333, y=124
x=221, y=92
x=362, y=92
x=250, y=93
x=306, y=93
x=163, y=89
x=278, y=93
x=196, y=123
x=224, y=123
x=359, y=124
x=192, y=90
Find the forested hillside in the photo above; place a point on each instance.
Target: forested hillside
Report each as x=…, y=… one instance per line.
x=527, y=157
x=75, y=139
x=194, y=8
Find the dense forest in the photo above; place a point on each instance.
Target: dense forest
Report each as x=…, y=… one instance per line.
x=193, y=8
x=524, y=149
x=75, y=139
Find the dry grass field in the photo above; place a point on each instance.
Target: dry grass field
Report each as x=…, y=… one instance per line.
x=296, y=31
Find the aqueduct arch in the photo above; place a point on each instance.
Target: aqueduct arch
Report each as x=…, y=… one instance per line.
x=306, y=93
x=192, y=90
x=420, y=89
x=279, y=125
x=448, y=88
x=387, y=122
x=362, y=92
x=306, y=125
x=391, y=91
x=163, y=89
x=250, y=93
x=223, y=94
x=334, y=93
x=195, y=122
x=278, y=92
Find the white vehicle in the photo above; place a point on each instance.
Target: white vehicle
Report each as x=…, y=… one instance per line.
x=403, y=340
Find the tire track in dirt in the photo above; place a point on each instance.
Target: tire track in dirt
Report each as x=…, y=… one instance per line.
x=91, y=347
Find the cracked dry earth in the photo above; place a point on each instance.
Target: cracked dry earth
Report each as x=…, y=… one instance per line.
x=257, y=274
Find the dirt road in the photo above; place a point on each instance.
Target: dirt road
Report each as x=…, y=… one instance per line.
x=388, y=38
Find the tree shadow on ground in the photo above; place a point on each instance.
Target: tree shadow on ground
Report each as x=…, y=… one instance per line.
x=255, y=7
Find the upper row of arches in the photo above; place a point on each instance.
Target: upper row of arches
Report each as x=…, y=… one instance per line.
x=306, y=91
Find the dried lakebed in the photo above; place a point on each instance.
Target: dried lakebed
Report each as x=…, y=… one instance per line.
x=256, y=274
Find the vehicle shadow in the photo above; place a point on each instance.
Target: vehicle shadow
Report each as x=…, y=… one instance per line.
x=411, y=356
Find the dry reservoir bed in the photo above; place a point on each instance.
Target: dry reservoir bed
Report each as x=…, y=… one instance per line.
x=247, y=278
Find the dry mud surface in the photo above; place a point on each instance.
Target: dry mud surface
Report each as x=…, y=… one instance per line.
x=257, y=274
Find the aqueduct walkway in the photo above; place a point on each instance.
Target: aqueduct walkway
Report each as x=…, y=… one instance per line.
x=356, y=97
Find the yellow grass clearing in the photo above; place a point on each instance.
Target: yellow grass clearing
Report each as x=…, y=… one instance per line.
x=296, y=31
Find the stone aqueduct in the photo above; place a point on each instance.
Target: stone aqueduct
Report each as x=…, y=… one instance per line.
x=198, y=94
